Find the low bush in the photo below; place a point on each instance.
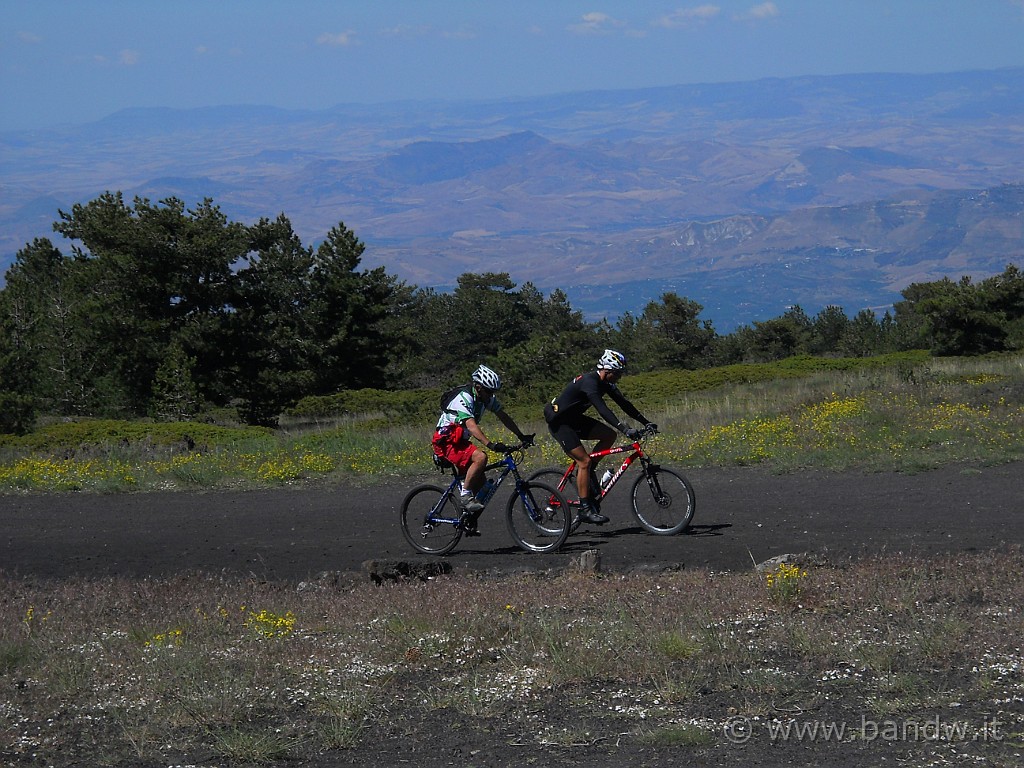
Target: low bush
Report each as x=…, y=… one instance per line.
x=403, y=405
x=93, y=432
x=662, y=388
x=886, y=413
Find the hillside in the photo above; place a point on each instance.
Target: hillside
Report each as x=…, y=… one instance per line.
x=746, y=197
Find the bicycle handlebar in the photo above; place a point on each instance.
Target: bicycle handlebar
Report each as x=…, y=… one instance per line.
x=509, y=449
x=648, y=430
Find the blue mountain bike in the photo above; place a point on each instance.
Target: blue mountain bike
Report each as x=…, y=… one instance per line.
x=433, y=520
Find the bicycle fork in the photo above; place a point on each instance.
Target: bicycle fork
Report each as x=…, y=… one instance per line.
x=434, y=517
x=533, y=509
x=651, y=473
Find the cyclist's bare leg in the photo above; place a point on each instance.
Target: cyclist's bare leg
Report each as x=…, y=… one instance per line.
x=582, y=459
x=605, y=437
x=474, y=479
x=588, y=508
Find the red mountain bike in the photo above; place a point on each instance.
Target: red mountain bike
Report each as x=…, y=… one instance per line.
x=663, y=500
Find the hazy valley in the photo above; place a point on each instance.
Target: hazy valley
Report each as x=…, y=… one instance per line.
x=746, y=197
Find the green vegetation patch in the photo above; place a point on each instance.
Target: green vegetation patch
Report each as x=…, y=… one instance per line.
x=663, y=387
x=405, y=404
x=886, y=413
x=91, y=432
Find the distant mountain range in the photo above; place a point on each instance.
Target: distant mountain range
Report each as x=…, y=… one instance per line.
x=746, y=197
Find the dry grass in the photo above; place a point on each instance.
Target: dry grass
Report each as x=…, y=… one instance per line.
x=115, y=671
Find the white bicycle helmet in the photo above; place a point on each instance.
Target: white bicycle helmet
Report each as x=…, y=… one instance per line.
x=487, y=378
x=612, y=361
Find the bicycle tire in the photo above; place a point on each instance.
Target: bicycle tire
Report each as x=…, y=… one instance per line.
x=553, y=477
x=431, y=538
x=668, y=510
x=538, y=517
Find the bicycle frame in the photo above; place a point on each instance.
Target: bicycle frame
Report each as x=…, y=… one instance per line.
x=637, y=452
x=432, y=528
x=508, y=465
x=652, y=510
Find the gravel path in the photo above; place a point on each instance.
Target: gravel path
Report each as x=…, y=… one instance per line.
x=743, y=515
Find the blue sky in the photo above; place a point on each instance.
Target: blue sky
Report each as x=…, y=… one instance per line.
x=73, y=62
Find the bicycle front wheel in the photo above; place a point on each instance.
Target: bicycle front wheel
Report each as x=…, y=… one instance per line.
x=538, y=517
x=430, y=520
x=663, y=501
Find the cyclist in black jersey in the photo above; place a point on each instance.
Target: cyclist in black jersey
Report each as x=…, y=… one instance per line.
x=569, y=424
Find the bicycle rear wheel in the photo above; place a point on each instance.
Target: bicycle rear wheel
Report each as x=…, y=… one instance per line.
x=538, y=517
x=430, y=520
x=663, y=501
x=553, y=477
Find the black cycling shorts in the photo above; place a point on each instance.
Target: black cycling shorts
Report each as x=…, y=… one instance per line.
x=569, y=434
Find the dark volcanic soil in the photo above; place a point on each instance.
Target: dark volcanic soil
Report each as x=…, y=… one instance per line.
x=294, y=533
x=743, y=516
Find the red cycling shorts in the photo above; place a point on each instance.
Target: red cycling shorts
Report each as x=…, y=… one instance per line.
x=450, y=445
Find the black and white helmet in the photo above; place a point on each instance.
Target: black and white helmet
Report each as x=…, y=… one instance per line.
x=612, y=361
x=487, y=378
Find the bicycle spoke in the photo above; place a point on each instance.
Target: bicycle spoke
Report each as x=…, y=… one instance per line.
x=538, y=517
x=553, y=477
x=430, y=520
x=663, y=501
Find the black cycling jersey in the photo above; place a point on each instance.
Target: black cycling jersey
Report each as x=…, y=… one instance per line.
x=584, y=392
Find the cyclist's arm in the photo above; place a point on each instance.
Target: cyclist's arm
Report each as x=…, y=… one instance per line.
x=630, y=409
x=474, y=429
x=510, y=423
x=604, y=411
x=589, y=386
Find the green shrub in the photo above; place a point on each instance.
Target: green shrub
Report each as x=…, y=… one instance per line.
x=75, y=434
x=406, y=405
x=890, y=412
x=419, y=406
x=658, y=389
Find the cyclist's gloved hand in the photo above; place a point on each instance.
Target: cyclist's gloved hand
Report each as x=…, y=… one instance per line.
x=500, y=447
x=528, y=440
x=633, y=434
x=651, y=426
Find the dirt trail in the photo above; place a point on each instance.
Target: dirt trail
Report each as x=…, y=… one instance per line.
x=743, y=514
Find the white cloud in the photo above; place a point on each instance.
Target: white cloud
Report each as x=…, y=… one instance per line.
x=407, y=30
x=410, y=31
x=686, y=16
x=758, y=12
x=595, y=23
x=340, y=39
x=126, y=57
x=29, y=37
x=462, y=33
